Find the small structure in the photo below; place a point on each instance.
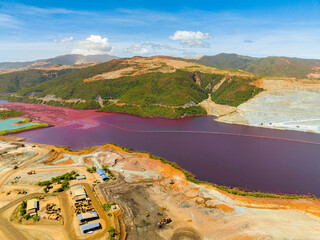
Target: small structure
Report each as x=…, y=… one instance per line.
x=78, y=191
x=79, y=198
x=32, y=207
x=88, y=216
x=190, y=104
x=102, y=174
x=81, y=177
x=90, y=227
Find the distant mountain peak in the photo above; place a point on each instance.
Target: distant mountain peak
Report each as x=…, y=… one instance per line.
x=269, y=66
x=68, y=59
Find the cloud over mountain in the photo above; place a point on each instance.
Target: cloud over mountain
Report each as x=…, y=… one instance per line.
x=191, y=39
x=137, y=49
x=93, y=45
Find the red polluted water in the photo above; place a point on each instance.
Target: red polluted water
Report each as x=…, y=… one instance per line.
x=240, y=156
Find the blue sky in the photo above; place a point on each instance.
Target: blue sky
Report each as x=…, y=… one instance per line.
x=40, y=29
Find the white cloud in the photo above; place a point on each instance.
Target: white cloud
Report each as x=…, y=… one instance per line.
x=191, y=39
x=8, y=21
x=66, y=39
x=157, y=46
x=93, y=45
x=137, y=49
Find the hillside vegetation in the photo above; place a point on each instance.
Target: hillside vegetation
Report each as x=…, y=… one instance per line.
x=155, y=86
x=4, y=114
x=15, y=81
x=154, y=111
x=269, y=66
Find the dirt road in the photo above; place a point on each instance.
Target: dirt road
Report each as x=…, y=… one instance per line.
x=68, y=215
x=6, y=227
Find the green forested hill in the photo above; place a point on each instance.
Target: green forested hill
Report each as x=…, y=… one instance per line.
x=15, y=81
x=147, y=87
x=269, y=66
x=224, y=60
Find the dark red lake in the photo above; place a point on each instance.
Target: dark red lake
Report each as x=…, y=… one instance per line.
x=264, y=164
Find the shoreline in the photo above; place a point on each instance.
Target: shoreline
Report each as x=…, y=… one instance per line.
x=235, y=191
x=216, y=118
x=192, y=178
x=264, y=126
x=35, y=125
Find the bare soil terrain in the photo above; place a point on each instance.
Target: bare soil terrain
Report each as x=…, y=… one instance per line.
x=164, y=64
x=145, y=192
x=291, y=104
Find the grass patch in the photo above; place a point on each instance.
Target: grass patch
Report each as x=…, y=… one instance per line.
x=63, y=180
x=67, y=148
x=34, y=126
x=154, y=110
x=9, y=114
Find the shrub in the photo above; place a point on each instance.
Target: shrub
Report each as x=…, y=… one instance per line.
x=36, y=218
x=107, y=206
x=26, y=216
x=112, y=232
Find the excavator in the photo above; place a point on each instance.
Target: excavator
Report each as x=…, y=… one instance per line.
x=164, y=221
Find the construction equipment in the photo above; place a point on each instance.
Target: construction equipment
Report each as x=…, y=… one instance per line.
x=31, y=172
x=164, y=221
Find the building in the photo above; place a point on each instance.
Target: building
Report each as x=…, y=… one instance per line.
x=32, y=207
x=80, y=198
x=90, y=226
x=81, y=177
x=88, y=216
x=102, y=174
x=78, y=191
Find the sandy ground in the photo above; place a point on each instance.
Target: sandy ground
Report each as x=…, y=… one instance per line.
x=143, y=65
x=146, y=191
x=286, y=104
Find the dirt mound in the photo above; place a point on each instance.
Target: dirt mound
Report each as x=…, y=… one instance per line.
x=186, y=234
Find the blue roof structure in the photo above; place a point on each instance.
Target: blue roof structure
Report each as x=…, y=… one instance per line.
x=90, y=226
x=88, y=215
x=102, y=174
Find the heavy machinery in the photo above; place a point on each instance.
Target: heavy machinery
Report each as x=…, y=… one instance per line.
x=31, y=172
x=164, y=221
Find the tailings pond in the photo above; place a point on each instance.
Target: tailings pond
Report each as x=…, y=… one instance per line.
x=248, y=157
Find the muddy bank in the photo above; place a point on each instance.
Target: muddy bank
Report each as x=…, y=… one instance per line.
x=57, y=116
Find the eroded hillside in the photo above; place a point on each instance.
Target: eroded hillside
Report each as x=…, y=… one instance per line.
x=154, y=86
x=285, y=104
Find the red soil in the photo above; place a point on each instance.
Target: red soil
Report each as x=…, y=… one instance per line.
x=58, y=116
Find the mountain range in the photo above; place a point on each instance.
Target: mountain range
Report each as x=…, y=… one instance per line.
x=146, y=86
x=69, y=59
x=269, y=66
